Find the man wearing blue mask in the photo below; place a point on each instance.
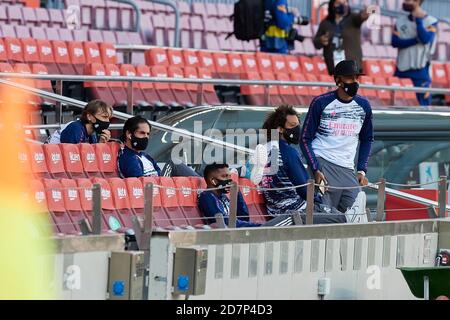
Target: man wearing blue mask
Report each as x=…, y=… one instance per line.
x=415, y=37
x=336, y=122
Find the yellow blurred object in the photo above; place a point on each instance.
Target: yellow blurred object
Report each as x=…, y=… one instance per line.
x=25, y=248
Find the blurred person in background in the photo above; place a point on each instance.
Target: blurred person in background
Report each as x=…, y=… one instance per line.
x=415, y=37
x=339, y=34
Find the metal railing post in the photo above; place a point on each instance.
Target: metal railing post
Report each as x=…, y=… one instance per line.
x=381, y=199
x=96, y=209
x=137, y=10
x=58, y=109
x=130, y=97
x=442, y=198
x=310, y=201
x=267, y=94
x=233, y=205
x=144, y=244
x=200, y=94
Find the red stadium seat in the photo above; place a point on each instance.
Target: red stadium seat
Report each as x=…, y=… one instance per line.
x=136, y=196
x=108, y=53
x=399, y=96
x=264, y=62
x=30, y=50
x=222, y=65
x=13, y=49
x=387, y=68
x=37, y=161
x=292, y=64
x=179, y=89
x=46, y=56
x=187, y=199
x=109, y=211
x=275, y=96
x=287, y=92
x=106, y=159
x=163, y=89
x=207, y=61
x=92, y=52
x=156, y=57
x=39, y=200
x=24, y=159
x=117, y=89
x=148, y=88
x=128, y=70
x=190, y=58
x=383, y=95
x=160, y=218
x=62, y=58
x=191, y=73
x=209, y=94
x=236, y=65
x=308, y=66
x=85, y=192
x=46, y=85
x=89, y=160
x=77, y=56
x=169, y=202
x=327, y=78
x=372, y=68
x=72, y=201
x=303, y=93
x=254, y=94
x=279, y=63
x=72, y=160
x=320, y=64
x=315, y=91
x=249, y=62
x=3, y=55
x=56, y=206
x=122, y=201
x=440, y=75
x=99, y=89
x=371, y=94
x=245, y=186
x=175, y=58
x=410, y=96
x=54, y=160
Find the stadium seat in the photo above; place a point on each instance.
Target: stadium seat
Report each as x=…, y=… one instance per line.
x=37, y=161
x=46, y=56
x=156, y=57
x=65, y=35
x=62, y=58
x=303, y=93
x=30, y=50
x=39, y=200
x=206, y=60
x=209, y=94
x=222, y=65
x=372, y=68
x=308, y=66
x=387, y=68
x=370, y=94
x=160, y=218
x=245, y=186
x=106, y=160
x=292, y=64
x=72, y=160
x=24, y=159
x=118, y=91
x=54, y=159
x=249, y=62
x=108, y=53
x=327, y=78
x=89, y=160
x=187, y=199
x=122, y=201
x=236, y=65
x=25, y=69
x=3, y=56
x=128, y=70
x=314, y=90
x=275, y=96
x=175, y=58
x=254, y=94
x=264, y=62
x=169, y=201
x=410, y=96
x=179, y=89
x=43, y=17
x=321, y=66
x=136, y=196
x=260, y=203
x=384, y=95
x=72, y=201
x=279, y=63
x=57, y=19
x=163, y=89
x=190, y=58
x=92, y=52
x=98, y=89
x=111, y=215
x=148, y=89
x=13, y=49
x=77, y=56
x=45, y=85
x=399, y=96
x=85, y=192
x=439, y=78
x=287, y=92
x=56, y=206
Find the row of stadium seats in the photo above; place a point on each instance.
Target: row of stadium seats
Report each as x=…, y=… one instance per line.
x=55, y=161
x=174, y=204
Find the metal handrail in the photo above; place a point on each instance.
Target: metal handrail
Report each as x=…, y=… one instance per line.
x=137, y=24
x=176, y=40
x=213, y=81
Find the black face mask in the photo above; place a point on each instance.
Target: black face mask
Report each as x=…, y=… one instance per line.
x=292, y=135
x=223, y=184
x=340, y=9
x=139, y=143
x=408, y=7
x=100, y=125
x=351, y=88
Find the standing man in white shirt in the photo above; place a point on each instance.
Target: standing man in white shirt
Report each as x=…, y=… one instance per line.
x=336, y=122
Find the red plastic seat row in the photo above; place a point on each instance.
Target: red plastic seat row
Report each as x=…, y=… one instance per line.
x=59, y=56
x=234, y=64
x=55, y=161
x=70, y=200
x=153, y=94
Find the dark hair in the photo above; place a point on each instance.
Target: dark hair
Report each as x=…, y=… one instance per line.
x=278, y=118
x=92, y=108
x=331, y=12
x=210, y=168
x=131, y=125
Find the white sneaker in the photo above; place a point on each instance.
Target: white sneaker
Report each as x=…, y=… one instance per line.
x=259, y=161
x=357, y=212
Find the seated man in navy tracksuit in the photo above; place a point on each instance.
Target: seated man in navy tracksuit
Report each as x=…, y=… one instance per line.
x=132, y=160
x=212, y=202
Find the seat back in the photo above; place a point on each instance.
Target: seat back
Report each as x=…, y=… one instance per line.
x=135, y=192
x=72, y=159
x=46, y=54
x=30, y=50
x=54, y=159
x=108, y=53
x=88, y=159
x=264, y=62
x=119, y=193
x=106, y=160
x=156, y=57
x=71, y=195
x=76, y=52
x=92, y=52
x=37, y=159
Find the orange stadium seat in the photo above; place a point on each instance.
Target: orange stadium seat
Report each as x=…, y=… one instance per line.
x=327, y=78
x=117, y=87
x=24, y=159
x=98, y=89
x=303, y=93
x=56, y=206
x=106, y=160
x=163, y=88
x=222, y=65
x=249, y=62
x=384, y=95
x=209, y=94
x=37, y=161
x=399, y=96
x=128, y=70
x=207, y=61
x=92, y=52
x=439, y=78
x=3, y=55
x=160, y=218
x=315, y=90
x=136, y=195
x=169, y=200
x=175, y=58
x=275, y=96
x=410, y=96
x=278, y=63
x=122, y=201
x=236, y=64
x=108, y=53
x=148, y=88
x=156, y=57
x=321, y=66
x=254, y=94
x=264, y=62
x=72, y=201
x=370, y=94
x=308, y=66
x=372, y=68
x=190, y=58
x=179, y=89
x=14, y=50
x=292, y=64
x=72, y=160
x=245, y=186
x=39, y=199
x=89, y=160
x=46, y=56
x=62, y=58
x=287, y=92
x=187, y=199
x=54, y=158
x=77, y=56
x=387, y=68
x=30, y=50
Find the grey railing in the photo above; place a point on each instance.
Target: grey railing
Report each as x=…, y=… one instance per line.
x=176, y=40
x=137, y=10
